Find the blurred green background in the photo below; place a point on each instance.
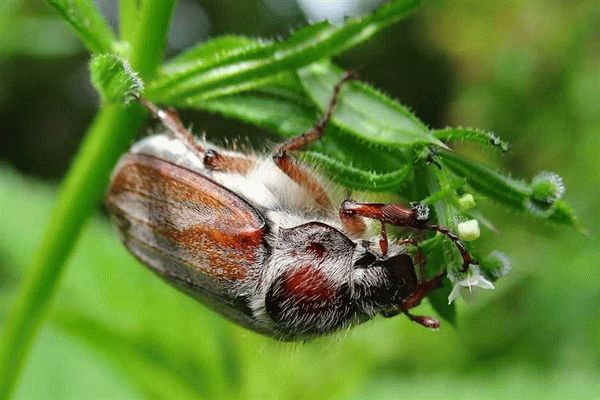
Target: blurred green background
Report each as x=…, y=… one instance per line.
x=527, y=69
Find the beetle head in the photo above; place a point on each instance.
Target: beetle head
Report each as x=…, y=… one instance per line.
x=384, y=282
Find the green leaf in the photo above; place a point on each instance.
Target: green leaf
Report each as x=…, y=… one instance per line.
x=253, y=67
x=439, y=301
x=88, y=24
x=564, y=214
x=487, y=181
x=209, y=52
x=288, y=118
x=354, y=178
x=472, y=135
x=114, y=79
x=511, y=192
x=363, y=111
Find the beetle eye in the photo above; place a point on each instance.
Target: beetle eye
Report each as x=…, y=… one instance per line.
x=366, y=260
x=400, y=270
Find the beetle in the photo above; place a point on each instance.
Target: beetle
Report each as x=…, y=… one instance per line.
x=257, y=239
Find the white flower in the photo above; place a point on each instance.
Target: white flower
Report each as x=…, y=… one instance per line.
x=473, y=279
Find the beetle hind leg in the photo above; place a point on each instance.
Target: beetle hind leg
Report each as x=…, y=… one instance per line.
x=170, y=119
x=291, y=167
x=212, y=159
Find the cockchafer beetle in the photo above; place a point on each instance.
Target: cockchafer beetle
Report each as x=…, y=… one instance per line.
x=256, y=238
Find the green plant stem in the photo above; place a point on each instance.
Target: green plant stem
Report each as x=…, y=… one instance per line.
x=128, y=19
x=111, y=132
x=82, y=188
x=149, y=43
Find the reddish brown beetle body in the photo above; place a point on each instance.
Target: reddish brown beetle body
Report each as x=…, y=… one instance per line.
x=257, y=238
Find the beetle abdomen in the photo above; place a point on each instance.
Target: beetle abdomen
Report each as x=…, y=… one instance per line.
x=189, y=229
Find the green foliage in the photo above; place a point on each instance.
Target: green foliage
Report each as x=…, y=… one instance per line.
x=33, y=35
x=373, y=143
x=82, y=189
x=87, y=22
x=113, y=78
x=244, y=70
x=519, y=195
x=25, y=35
x=365, y=112
x=472, y=135
x=360, y=179
x=210, y=52
x=119, y=331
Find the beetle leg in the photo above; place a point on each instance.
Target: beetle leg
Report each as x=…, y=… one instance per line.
x=417, y=296
x=212, y=159
x=286, y=162
x=383, y=240
x=419, y=257
x=297, y=142
x=467, y=259
x=402, y=216
x=353, y=224
x=171, y=121
x=427, y=322
x=292, y=168
x=218, y=161
x=422, y=290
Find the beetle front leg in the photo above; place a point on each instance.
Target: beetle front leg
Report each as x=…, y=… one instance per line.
x=424, y=320
x=415, y=217
x=422, y=290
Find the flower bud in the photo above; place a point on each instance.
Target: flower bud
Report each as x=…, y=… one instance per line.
x=466, y=202
x=546, y=188
x=468, y=230
x=496, y=264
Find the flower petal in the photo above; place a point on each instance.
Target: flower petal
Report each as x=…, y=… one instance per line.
x=454, y=294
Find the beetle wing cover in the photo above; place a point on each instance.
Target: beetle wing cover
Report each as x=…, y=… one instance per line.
x=196, y=229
